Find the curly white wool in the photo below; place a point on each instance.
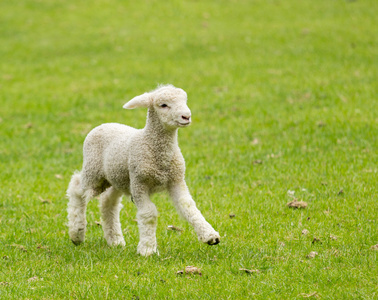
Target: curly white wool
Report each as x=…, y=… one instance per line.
x=119, y=159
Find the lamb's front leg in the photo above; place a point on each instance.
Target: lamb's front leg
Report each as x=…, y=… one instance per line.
x=147, y=221
x=187, y=207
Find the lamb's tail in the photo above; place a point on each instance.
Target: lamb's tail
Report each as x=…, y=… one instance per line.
x=74, y=188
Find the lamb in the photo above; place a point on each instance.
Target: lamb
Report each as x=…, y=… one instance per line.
x=121, y=160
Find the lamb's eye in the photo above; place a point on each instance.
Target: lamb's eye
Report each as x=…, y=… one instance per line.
x=163, y=105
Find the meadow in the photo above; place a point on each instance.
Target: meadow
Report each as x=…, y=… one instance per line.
x=284, y=105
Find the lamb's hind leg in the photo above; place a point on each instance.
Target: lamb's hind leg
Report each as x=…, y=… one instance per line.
x=110, y=206
x=77, y=206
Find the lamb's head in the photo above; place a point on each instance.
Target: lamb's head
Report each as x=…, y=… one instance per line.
x=168, y=103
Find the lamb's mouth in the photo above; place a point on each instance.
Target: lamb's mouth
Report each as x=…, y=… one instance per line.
x=181, y=124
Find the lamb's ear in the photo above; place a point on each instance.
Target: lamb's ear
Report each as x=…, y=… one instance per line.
x=139, y=101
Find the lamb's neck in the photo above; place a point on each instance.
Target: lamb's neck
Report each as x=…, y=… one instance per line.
x=163, y=139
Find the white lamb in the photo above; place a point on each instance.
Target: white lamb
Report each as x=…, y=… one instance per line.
x=119, y=159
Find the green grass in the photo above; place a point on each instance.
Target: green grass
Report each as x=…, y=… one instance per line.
x=290, y=83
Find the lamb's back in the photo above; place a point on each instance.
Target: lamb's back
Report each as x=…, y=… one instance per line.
x=102, y=143
x=104, y=136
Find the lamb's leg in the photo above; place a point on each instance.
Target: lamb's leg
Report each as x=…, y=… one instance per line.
x=77, y=206
x=110, y=206
x=147, y=221
x=186, y=206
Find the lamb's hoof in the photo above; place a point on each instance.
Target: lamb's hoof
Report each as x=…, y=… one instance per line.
x=213, y=242
x=116, y=242
x=147, y=250
x=76, y=243
x=211, y=238
x=77, y=236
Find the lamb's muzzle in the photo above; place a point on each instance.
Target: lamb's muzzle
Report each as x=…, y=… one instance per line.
x=186, y=117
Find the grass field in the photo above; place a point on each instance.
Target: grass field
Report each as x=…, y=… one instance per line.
x=284, y=102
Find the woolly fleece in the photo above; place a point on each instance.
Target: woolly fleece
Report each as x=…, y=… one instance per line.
x=121, y=160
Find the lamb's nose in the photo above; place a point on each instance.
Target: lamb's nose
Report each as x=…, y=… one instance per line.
x=186, y=117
